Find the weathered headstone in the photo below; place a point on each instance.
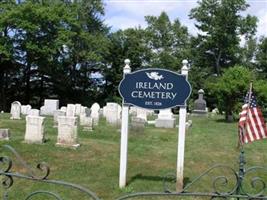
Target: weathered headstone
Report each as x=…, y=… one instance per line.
x=58, y=113
x=15, y=110
x=4, y=134
x=67, y=131
x=34, y=129
x=137, y=124
x=101, y=112
x=50, y=105
x=34, y=112
x=78, y=109
x=25, y=109
x=142, y=113
x=165, y=119
x=112, y=113
x=86, y=122
x=70, y=110
x=200, y=108
x=95, y=113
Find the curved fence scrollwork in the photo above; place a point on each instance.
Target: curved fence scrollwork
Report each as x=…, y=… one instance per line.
x=239, y=184
x=43, y=172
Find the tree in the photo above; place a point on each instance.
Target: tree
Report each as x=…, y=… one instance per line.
x=221, y=26
x=53, y=47
x=261, y=57
x=230, y=89
x=163, y=44
x=131, y=44
x=169, y=42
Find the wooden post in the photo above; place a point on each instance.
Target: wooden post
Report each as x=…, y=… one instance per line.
x=124, y=135
x=181, y=138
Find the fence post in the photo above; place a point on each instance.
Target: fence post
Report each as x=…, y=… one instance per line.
x=181, y=138
x=124, y=134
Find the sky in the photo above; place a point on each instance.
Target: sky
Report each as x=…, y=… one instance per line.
x=123, y=14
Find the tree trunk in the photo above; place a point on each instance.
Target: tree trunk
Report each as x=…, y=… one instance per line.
x=2, y=92
x=217, y=66
x=27, y=83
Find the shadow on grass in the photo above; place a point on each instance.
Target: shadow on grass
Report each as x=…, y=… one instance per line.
x=225, y=121
x=167, y=179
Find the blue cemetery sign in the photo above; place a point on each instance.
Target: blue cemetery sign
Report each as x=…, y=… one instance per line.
x=155, y=89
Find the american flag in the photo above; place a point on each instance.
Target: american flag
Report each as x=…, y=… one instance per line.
x=251, y=123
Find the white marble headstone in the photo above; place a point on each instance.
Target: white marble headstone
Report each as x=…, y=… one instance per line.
x=58, y=113
x=15, y=110
x=95, y=113
x=67, y=131
x=78, y=109
x=113, y=112
x=34, y=112
x=165, y=119
x=70, y=110
x=50, y=105
x=34, y=129
x=25, y=109
x=63, y=108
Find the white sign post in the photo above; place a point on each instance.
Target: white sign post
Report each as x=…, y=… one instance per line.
x=181, y=138
x=128, y=91
x=124, y=134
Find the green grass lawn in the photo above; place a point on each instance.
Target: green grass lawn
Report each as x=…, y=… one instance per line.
x=151, y=155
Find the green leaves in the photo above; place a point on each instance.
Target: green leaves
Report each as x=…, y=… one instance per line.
x=222, y=24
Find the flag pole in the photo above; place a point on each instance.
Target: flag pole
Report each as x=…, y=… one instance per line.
x=242, y=160
x=240, y=143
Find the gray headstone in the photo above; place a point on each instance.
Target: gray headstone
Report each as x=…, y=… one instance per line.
x=200, y=103
x=4, y=134
x=87, y=112
x=137, y=124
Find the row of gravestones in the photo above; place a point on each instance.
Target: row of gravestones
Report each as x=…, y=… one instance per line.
x=65, y=119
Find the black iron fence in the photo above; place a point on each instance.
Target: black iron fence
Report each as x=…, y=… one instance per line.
x=240, y=184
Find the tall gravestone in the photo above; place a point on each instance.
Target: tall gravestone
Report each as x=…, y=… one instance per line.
x=200, y=105
x=70, y=112
x=78, y=109
x=34, y=129
x=15, y=110
x=67, y=132
x=95, y=113
x=112, y=113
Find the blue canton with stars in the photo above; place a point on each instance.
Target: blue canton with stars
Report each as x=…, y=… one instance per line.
x=253, y=102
